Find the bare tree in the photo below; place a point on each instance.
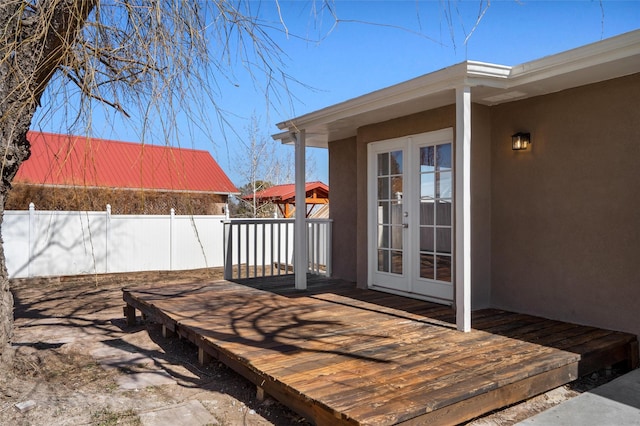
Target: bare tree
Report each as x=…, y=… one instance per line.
x=142, y=58
x=261, y=163
x=149, y=58
x=254, y=163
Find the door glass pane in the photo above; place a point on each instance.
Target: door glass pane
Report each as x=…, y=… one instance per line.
x=427, y=159
x=426, y=213
x=395, y=159
x=396, y=188
x=443, y=268
x=396, y=213
x=443, y=185
x=383, y=212
x=426, y=266
x=426, y=238
x=383, y=188
x=383, y=261
x=443, y=212
x=443, y=240
x=383, y=237
x=396, y=237
x=443, y=157
x=383, y=164
x=396, y=262
x=427, y=187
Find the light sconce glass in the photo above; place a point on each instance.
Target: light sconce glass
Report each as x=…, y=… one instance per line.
x=520, y=141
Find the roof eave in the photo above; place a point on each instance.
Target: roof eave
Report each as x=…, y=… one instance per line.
x=599, y=61
x=465, y=73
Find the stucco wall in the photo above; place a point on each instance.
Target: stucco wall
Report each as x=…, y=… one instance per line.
x=566, y=213
x=480, y=207
x=342, y=199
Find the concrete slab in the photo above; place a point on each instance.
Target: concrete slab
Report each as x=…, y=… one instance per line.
x=190, y=413
x=143, y=380
x=615, y=403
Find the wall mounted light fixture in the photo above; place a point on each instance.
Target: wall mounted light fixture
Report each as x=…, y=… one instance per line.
x=520, y=141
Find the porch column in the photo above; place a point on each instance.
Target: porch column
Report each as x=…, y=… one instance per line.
x=300, y=224
x=463, y=209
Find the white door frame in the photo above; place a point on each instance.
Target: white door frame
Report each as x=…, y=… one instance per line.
x=409, y=281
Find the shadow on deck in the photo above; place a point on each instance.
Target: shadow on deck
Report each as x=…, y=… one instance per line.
x=341, y=355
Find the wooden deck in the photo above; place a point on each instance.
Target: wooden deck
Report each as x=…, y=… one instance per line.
x=341, y=355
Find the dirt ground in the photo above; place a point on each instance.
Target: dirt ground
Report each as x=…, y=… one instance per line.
x=66, y=327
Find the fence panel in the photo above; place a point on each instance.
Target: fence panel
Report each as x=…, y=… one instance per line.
x=46, y=243
x=197, y=242
x=55, y=243
x=15, y=240
x=140, y=243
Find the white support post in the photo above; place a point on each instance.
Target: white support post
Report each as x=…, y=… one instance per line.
x=463, y=209
x=300, y=224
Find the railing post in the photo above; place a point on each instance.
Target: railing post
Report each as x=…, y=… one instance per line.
x=328, y=247
x=227, y=230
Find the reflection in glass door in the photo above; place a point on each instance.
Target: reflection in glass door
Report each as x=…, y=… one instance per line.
x=389, y=217
x=436, y=236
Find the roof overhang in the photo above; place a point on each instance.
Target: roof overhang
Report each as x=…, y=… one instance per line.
x=490, y=84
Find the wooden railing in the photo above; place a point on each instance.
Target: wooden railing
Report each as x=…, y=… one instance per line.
x=256, y=248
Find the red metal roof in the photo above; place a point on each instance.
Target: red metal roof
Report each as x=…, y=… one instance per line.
x=82, y=161
x=286, y=191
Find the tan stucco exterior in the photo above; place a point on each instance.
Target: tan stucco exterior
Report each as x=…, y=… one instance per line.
x=566, y=213
x=342, y=199
x=555, y=229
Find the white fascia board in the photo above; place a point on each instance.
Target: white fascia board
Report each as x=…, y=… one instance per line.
x=284, y=137
x=446, y=79
x=581, y=58
x=477, y=69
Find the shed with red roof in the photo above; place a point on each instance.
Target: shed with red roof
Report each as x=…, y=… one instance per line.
x=284, y=196
x=82, y=173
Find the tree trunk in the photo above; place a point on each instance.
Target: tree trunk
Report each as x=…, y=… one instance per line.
x=34, y=42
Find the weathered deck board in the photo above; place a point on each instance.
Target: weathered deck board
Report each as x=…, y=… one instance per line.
x=338, y=354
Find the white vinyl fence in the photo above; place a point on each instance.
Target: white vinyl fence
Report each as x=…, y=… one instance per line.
x=49, y=243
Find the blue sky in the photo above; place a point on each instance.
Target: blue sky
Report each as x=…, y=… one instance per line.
x=380, y=43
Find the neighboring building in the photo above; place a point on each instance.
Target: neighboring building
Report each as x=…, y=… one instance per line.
x=284, y=197
x=80, y=173
x=430, y=200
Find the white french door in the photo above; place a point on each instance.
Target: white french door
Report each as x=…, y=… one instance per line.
x=410, y=220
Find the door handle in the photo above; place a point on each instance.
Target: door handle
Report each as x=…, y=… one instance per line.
x=405, y=225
